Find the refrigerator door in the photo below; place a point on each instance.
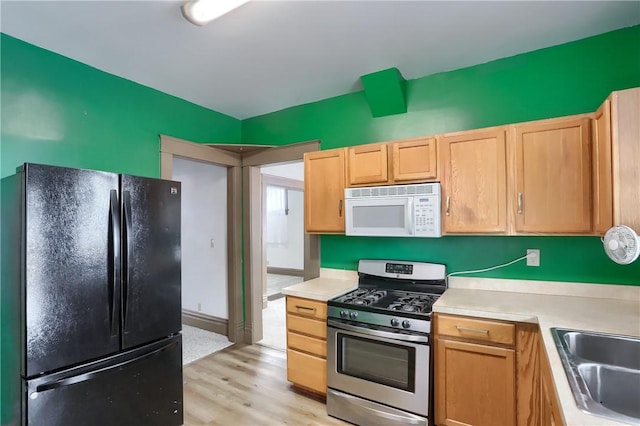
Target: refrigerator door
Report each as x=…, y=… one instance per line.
x=139, y=387
x=151, y=273
x=71, y=267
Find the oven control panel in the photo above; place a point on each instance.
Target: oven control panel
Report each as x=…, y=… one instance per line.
x=402, y=270
x=399, y=268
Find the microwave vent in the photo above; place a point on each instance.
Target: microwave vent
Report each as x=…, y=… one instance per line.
x=395, y=190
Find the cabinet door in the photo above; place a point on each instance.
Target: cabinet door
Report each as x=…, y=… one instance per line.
x=602, y=175
x=367, y=164
x=475, y=384
x=324, y=180
x=413, y=160
x=553, y=177
x=625, y=150
x=473, y=180
x=550, y=413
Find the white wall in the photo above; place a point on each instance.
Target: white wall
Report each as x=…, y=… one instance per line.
x=293, y=171
x=204, y=219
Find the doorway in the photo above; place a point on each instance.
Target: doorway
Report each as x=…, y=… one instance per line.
x=173, y=153
x=255, y=270
x=283, y=244
x=204, y=237
x=244, y=222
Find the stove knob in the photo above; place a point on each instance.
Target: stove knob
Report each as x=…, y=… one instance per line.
x=353, y=315
x=395, y=322
x=406, y=324
x=343, y=314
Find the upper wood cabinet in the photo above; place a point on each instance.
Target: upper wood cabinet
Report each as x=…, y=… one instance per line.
x=413, y=160
x=405, y=161
x=552, y=191
x=616, y=150
x=324, y=183
x=602, y=175
x=367, y=164
x=569, y=175
x=473, y=179
x=522, y=179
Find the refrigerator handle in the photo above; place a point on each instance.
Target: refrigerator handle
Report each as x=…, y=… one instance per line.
x=114, y=282
x=62, y=382
x=127, y=255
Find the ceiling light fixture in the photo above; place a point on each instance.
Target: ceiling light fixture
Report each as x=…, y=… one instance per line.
x=201, y=12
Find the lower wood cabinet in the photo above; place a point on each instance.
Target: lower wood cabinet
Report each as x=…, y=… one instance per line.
x=491, y=372
x=550, y=413
x=307, y=344
x=474, y=372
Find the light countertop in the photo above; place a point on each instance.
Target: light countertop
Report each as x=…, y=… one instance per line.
x=594, y=307
x=330, y=284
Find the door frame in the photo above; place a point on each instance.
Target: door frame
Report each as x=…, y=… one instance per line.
x=244, y=225
x=170, y=147
x=253, y=243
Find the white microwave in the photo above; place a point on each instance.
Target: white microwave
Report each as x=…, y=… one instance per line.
x=393, y=211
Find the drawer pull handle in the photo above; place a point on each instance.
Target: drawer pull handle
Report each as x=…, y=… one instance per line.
x=305, y=308
x=472, y=330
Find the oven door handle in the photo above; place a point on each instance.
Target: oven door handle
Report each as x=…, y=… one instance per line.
x=378, y=333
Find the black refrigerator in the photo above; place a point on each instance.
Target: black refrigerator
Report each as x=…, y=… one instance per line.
x=91, y=305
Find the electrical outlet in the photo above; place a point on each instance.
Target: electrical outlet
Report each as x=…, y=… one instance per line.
x=199, y=307
x=533, y=257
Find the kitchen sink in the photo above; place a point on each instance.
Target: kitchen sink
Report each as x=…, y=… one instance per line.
x=604, y=348
x=617, y=389
x=603, y=371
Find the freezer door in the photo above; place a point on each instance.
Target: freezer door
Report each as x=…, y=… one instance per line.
x=140, y=387
x=151, y=274
x=71, y=279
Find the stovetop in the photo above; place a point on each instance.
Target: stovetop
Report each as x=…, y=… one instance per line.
x=391, y=294
x=391, y=300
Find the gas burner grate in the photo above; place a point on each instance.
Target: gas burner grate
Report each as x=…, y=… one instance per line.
x=364, y=296
x=413, y=303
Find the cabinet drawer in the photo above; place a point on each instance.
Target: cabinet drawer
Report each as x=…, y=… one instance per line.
x=307, y=371
x=307, y=307
x=307, y=344
x=308, y=326
x=476, y=329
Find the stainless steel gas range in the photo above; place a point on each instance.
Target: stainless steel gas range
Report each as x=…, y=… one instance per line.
x=379, y=360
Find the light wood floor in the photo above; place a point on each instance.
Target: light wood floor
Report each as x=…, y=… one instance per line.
x=247, y=385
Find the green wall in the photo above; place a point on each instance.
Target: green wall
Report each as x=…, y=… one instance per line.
x=562, y=80
x=59, y=111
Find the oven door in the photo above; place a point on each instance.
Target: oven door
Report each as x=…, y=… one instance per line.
x=388, y=216
x=382, y=366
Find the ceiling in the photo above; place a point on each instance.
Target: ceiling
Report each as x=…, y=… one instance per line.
x=269, y=55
